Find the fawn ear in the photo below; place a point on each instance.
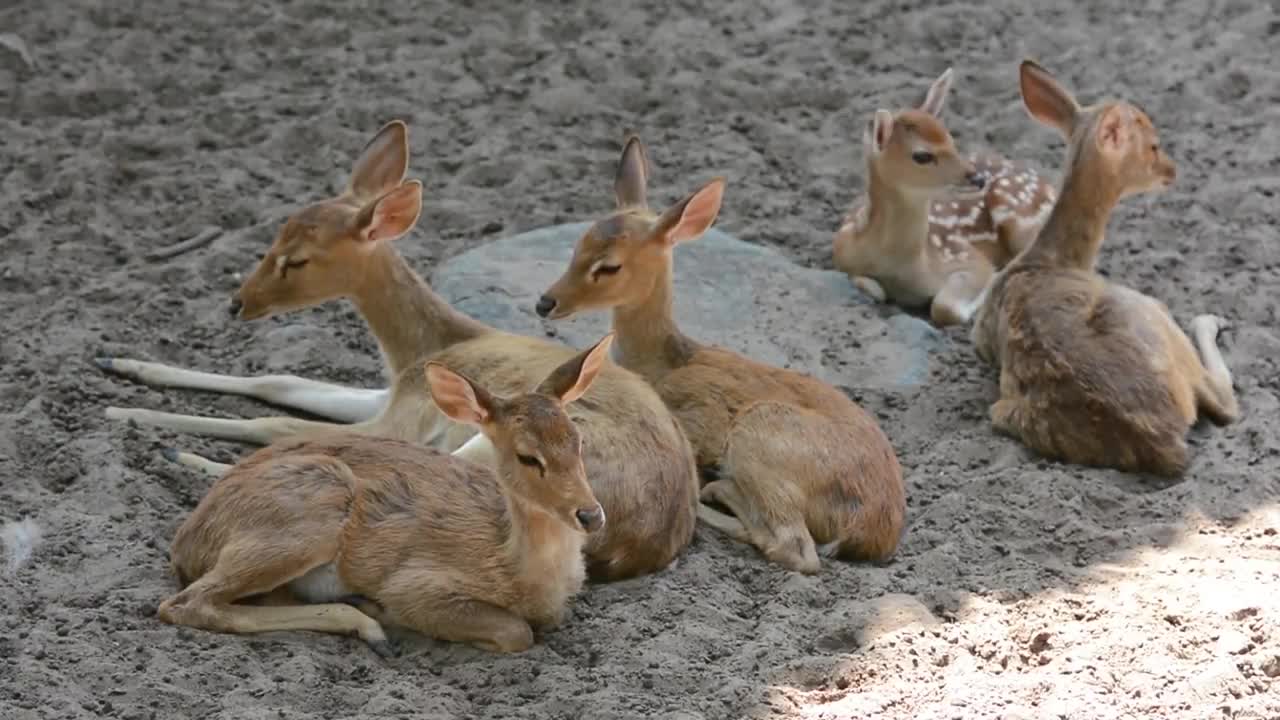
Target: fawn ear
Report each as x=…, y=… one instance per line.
x=571, y=380
x=692, y=216
x=633, y=175
x=382, y=163
x=879, y=130
x=1046, y=100
x=458, y=397
x=936, y=98
x=391, y=215
x=1112, y=131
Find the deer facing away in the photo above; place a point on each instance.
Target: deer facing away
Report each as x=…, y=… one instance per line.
x=639, y=462
x=923, y=236
x=1092, y=372
x=804, y=469
x=425, y=540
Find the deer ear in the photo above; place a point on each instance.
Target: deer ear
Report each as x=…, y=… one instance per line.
x=629, y=186
x=1112, y=130
x=382, y=163
x=936, y=98
x=879, y=131
x=391, y=215
x=458, y=397
x=571, y=380
x=689, y=218
x=1046, y=99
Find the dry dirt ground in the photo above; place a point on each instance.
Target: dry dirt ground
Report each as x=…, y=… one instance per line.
x=1023, y=589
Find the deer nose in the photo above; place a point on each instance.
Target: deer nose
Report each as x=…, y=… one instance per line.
x=545, y=305
x=976, y=180
x=591, y=520
x=235, y=307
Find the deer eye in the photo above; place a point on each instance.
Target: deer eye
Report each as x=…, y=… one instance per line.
x=293, y=265
x=607, y=270
x=924, y=158
x=529, y=461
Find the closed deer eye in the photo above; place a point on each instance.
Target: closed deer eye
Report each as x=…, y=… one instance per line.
x=607, y=270
x=529, y=461
x=293, y=265
x=924, y=158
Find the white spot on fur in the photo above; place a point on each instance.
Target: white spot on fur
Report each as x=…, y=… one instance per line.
x=20, y=541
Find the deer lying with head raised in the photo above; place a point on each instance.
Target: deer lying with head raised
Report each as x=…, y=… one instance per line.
x=424, y=540
x=1092, y=372
x=935, y=225
x=801, y=466
x=638, y=460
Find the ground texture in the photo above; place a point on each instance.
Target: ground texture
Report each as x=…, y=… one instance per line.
x=1024, y=589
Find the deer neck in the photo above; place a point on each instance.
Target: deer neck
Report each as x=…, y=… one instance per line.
x=408, y=318
x=897, y=219
x=534, y=546
x=1077, y=225
x=648, y=341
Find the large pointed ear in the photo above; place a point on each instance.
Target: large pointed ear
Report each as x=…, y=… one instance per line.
x=571, y=380
x=458, y=397
x=879, y=131
x=1046, y=100
x=1112, y=131
x=633, y=175
x=692, y=216
x=936, y=98
x=383, y=162
x=391, y=215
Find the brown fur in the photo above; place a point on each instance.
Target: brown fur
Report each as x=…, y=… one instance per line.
x=425, y=540
x=639, y=461
x=1092, y=372
x=799, y=463
x=925, y=235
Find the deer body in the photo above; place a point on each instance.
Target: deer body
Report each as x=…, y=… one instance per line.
x=935, y=226
x=1092, y=372
x=420, y=539
x=639, y=461
x=803, y=468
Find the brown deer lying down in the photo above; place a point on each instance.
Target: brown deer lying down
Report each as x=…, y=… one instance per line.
x=799, y=463
x=1092, y=372
x=923, y=236
x=425, y=540
x=640, y=463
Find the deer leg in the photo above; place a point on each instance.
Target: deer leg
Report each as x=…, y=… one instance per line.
x=327, y=400
x=463, y=620
x=870, y=288
x=258, y=431
x=958, y=299
x=191, y=460
x=1214, y=392
x=247, y=570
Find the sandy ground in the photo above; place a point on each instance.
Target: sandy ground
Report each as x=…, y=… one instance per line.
x=1023, y=589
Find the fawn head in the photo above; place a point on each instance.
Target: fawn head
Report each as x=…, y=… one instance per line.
x=617, y=262
x=1114, y=136
x=538, y=447
x=915, y=151
x=320, y=252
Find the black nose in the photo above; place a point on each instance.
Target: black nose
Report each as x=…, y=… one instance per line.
x=545, y=306
x=235, y=307
x=591, y=520
x=976, y=180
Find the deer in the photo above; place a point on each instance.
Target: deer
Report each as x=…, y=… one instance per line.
x=345, y=532
x=638, y=459
x=935, y=225
x=804, y=470
x=1092, y=372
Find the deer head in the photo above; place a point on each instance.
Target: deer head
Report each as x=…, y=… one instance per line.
x=320, y=252
x=538, y=447
x=617, y=262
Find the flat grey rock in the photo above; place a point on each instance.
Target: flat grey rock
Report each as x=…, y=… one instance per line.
x=744, y=297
